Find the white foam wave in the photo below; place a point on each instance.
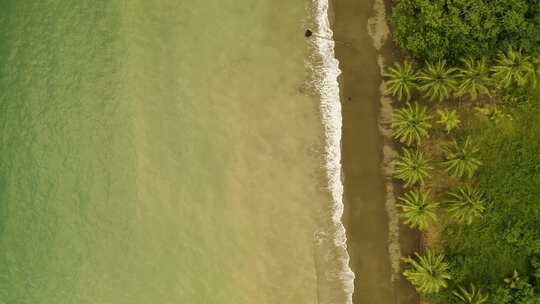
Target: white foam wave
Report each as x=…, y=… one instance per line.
x=328, y=89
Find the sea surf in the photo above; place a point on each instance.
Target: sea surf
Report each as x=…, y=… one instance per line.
x=170, y=152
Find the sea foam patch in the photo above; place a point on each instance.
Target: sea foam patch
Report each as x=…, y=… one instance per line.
x=326, y=72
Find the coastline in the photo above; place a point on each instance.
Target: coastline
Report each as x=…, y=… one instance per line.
x=376, y=238
x=331, y=241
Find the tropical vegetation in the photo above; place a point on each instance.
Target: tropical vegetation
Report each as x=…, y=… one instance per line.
x=417, y=209
x=437, y=80
x=473, y=295
x=473, y=78
x=480, y=61
x=433, y=30
x=429, y=273
x=507, y=236
x=411, y=124
x=513, y=68
x=401, y=80
x=449, y=119
x=465, y=204
x=413, y=167
x=461, y=159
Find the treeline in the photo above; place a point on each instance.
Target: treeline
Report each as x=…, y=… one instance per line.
x=452, y=29
x=469, y=127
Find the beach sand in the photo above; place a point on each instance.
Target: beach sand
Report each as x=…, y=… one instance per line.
x=376, y=239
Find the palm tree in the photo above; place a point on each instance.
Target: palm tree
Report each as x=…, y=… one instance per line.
x=412, y=167
x=401, y=80
x=461, y=159
x=491, y=112
x=410, y=124
x=512, y=68
x=473, y=78
x=437, y=81
x=429, y=274
x=515, y=281
x=418, y=210
x=465, y=204
x=472, y=296
x=449, y=119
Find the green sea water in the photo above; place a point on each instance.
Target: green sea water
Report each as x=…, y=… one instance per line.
x=160, y=151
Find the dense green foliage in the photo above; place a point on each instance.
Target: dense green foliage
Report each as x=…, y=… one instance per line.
x=453, y=29
x=490, y=127
x=508, y=237
x=481, y=60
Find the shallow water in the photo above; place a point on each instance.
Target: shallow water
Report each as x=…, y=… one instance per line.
x=162, y=152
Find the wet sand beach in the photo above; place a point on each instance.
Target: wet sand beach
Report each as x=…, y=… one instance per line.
x=376, y=240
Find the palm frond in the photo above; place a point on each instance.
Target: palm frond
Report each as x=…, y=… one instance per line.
x=514, y=68
x=471, y=296
x=412, y=167
x=428, y=273
x=437, y=81
x=417, y=209
x=401, y=80
x=461, y=159
x=473, y=78
x=449, y=119
x=465, y=204
x=410, y=124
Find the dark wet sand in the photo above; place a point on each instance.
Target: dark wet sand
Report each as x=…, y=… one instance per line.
x=366, y=217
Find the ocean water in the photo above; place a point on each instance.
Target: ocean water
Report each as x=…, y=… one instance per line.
x=169, y=152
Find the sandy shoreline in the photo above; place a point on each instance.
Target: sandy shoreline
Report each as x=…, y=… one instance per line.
x=376, y=240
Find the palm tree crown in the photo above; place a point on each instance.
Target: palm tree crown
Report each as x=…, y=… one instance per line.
x=461, y=159
x=412, y=167
x=473, y=78
x=401, y=80
x=449, y=119
x=410, y=124
x=515, y=281
x=429, y=273
x=465, y=204
x=437, y=81
x=418, y=211
x=512, y=67
x=472, y=296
